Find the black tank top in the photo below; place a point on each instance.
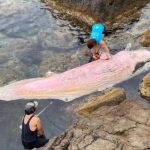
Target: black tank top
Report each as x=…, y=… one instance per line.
x=27, y=134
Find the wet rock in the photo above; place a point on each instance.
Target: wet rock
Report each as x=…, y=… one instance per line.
x=145, y=39
x=121, y=41
x=143, y=24
x=144, y=87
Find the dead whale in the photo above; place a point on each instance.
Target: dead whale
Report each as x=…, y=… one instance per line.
x=83, y=80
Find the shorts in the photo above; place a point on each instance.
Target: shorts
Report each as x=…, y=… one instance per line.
x=36, y=144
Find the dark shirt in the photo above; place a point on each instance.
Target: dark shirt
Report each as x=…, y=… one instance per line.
x=27, y=134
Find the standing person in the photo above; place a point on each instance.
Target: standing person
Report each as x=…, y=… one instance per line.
x=32, y=131
x=96, y=41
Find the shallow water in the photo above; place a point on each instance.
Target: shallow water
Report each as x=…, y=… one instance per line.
x=33, y=40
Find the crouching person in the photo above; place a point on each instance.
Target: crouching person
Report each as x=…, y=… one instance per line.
x=32, y=131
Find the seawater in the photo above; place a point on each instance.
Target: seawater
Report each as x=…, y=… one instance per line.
x=32, y=42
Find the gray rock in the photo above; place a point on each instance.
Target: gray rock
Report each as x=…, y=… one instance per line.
x=101, y=144
x=123, y=126
x=143, y=23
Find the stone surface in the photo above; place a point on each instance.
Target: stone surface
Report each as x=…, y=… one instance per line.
x=111, y=12
x=112, y=97
x=145, y=39
x=144, y=88
x=122, y=41
x=102, y=145
x=143, y=25
x=121, y=126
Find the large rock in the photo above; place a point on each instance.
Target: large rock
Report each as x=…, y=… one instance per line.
x=122, y=41
x=111, y=97
x=143, y=25
x=145, y=87
x=120, y=126
x=145, y=39
x=110, y=11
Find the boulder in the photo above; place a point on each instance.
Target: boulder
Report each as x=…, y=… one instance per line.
x=145, y=39
x=112, y=97
x=144, y=87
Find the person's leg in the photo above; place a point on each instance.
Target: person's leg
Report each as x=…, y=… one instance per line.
x=28, y=145
x=41, y=142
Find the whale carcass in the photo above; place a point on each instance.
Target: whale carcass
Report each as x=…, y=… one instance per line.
x=79, y=81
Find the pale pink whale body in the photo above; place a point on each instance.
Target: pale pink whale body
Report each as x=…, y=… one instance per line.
x=79, y=81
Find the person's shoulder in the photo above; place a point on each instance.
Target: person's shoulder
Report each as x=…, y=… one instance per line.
x=36, y=118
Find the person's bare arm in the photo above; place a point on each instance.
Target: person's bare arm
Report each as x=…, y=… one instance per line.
x=106, y=49
x=95, y=54
x=39, y=127
x=104, y=45
x=97, y=48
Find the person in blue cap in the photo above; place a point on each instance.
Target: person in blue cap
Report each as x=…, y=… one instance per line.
x=96, y=41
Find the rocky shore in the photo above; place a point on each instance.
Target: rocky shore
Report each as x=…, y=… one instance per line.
x=108, y=121
x=112, y=13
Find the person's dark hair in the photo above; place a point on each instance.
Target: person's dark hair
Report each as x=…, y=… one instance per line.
x=31, y=111
x=91, y=43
